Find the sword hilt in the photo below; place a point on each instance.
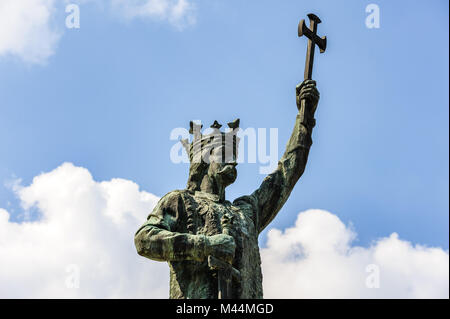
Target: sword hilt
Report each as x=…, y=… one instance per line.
x=217, y=264
x=225, y=273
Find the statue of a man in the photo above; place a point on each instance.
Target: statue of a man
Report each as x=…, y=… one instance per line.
x=188, y=227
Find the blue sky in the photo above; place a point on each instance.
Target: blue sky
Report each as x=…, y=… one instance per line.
x=112, y=91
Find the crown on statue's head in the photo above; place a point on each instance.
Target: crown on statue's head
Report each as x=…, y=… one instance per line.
x=217, y=146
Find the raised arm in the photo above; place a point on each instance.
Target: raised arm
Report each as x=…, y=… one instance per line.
x=276, y=187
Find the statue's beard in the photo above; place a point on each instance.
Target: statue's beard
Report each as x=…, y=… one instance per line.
x=228, y=174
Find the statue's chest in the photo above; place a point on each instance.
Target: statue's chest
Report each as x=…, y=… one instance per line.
x=205, y=217
x=209, y=216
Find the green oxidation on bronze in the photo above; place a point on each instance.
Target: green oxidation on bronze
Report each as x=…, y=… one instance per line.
x=198, y=232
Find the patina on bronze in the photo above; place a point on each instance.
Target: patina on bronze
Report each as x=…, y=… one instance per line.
x=210, y=243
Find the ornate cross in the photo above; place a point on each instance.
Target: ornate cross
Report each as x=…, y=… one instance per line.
x=311, y=34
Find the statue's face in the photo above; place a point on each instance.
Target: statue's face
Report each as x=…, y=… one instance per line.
x=223, y=170
x=218, y=163
x=223, y=173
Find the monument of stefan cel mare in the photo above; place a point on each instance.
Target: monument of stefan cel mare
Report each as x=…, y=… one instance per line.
x=210, y=243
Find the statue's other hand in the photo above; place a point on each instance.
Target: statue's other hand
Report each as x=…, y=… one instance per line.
x=307, y=91
x=221, y=246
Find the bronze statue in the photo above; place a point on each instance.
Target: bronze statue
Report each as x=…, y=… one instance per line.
x=211, y=244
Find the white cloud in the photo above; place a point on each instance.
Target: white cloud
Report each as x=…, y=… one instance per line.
x=315, y=259
x=87, y=223
x=26, y=30
x=91, y=225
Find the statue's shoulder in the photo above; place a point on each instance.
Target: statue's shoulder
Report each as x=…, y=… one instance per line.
x=247, y=200
x=170, y=202
x=249, y=206
x=175, y=196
